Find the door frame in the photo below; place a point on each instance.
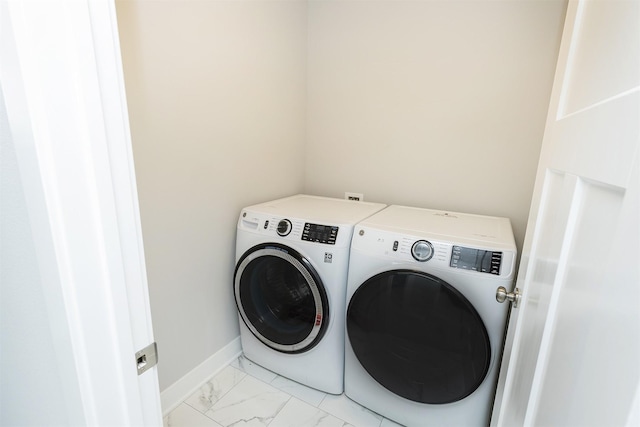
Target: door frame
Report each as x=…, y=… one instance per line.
x=66, y=105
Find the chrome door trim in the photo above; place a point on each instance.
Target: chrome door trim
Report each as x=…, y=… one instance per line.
x=313, y=285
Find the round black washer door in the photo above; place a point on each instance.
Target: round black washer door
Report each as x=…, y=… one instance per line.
x=418, y=337
x=280, y=298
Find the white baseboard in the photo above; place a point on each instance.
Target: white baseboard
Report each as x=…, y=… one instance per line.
x=177, y=392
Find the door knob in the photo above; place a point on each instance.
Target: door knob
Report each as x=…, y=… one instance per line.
x=514, y=297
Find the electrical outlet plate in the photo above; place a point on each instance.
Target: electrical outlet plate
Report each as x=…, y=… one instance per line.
x=356, y=197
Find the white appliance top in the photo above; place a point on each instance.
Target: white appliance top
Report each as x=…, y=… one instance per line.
x=319, y=209
x=487, y=231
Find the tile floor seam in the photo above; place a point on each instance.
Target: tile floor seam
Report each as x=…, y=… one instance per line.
x=210, y=380
x=226, y=392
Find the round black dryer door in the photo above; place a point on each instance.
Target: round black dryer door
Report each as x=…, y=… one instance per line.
x=418, y=337
x=281, y=298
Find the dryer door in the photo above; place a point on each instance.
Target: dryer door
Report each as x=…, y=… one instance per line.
x=418, y=337
x=281, y=298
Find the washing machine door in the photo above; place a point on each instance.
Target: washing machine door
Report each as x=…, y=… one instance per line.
x=419, y=337
x=281, y=298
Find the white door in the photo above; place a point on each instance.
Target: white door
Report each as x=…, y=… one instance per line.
x=62, y=81
x=572, y=354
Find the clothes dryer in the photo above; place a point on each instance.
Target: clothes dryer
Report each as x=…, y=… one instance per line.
x=424, y=330
x=290, y=283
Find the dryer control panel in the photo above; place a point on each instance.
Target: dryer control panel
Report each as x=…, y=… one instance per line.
x=431, y=252
x=476, y=260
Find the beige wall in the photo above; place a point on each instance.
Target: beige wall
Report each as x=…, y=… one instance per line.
x=232, y=102
x=214, y=88
x=436, y=104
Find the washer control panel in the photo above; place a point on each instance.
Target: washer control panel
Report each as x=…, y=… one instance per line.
x=318, y=233
x=293, y=229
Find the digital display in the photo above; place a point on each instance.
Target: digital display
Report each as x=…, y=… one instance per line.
x=320, y=233
x=476, y=260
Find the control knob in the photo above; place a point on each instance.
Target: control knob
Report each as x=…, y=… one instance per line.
x=284, y=227
x=422, y=250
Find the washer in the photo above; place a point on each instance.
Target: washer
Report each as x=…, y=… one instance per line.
x=424, y=331
x=290, y=281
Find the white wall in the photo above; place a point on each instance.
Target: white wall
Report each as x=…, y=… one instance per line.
x=436, y=103
x=425, y=103
x=216, y=94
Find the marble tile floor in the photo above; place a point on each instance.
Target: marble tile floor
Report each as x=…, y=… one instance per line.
x=244, y=394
